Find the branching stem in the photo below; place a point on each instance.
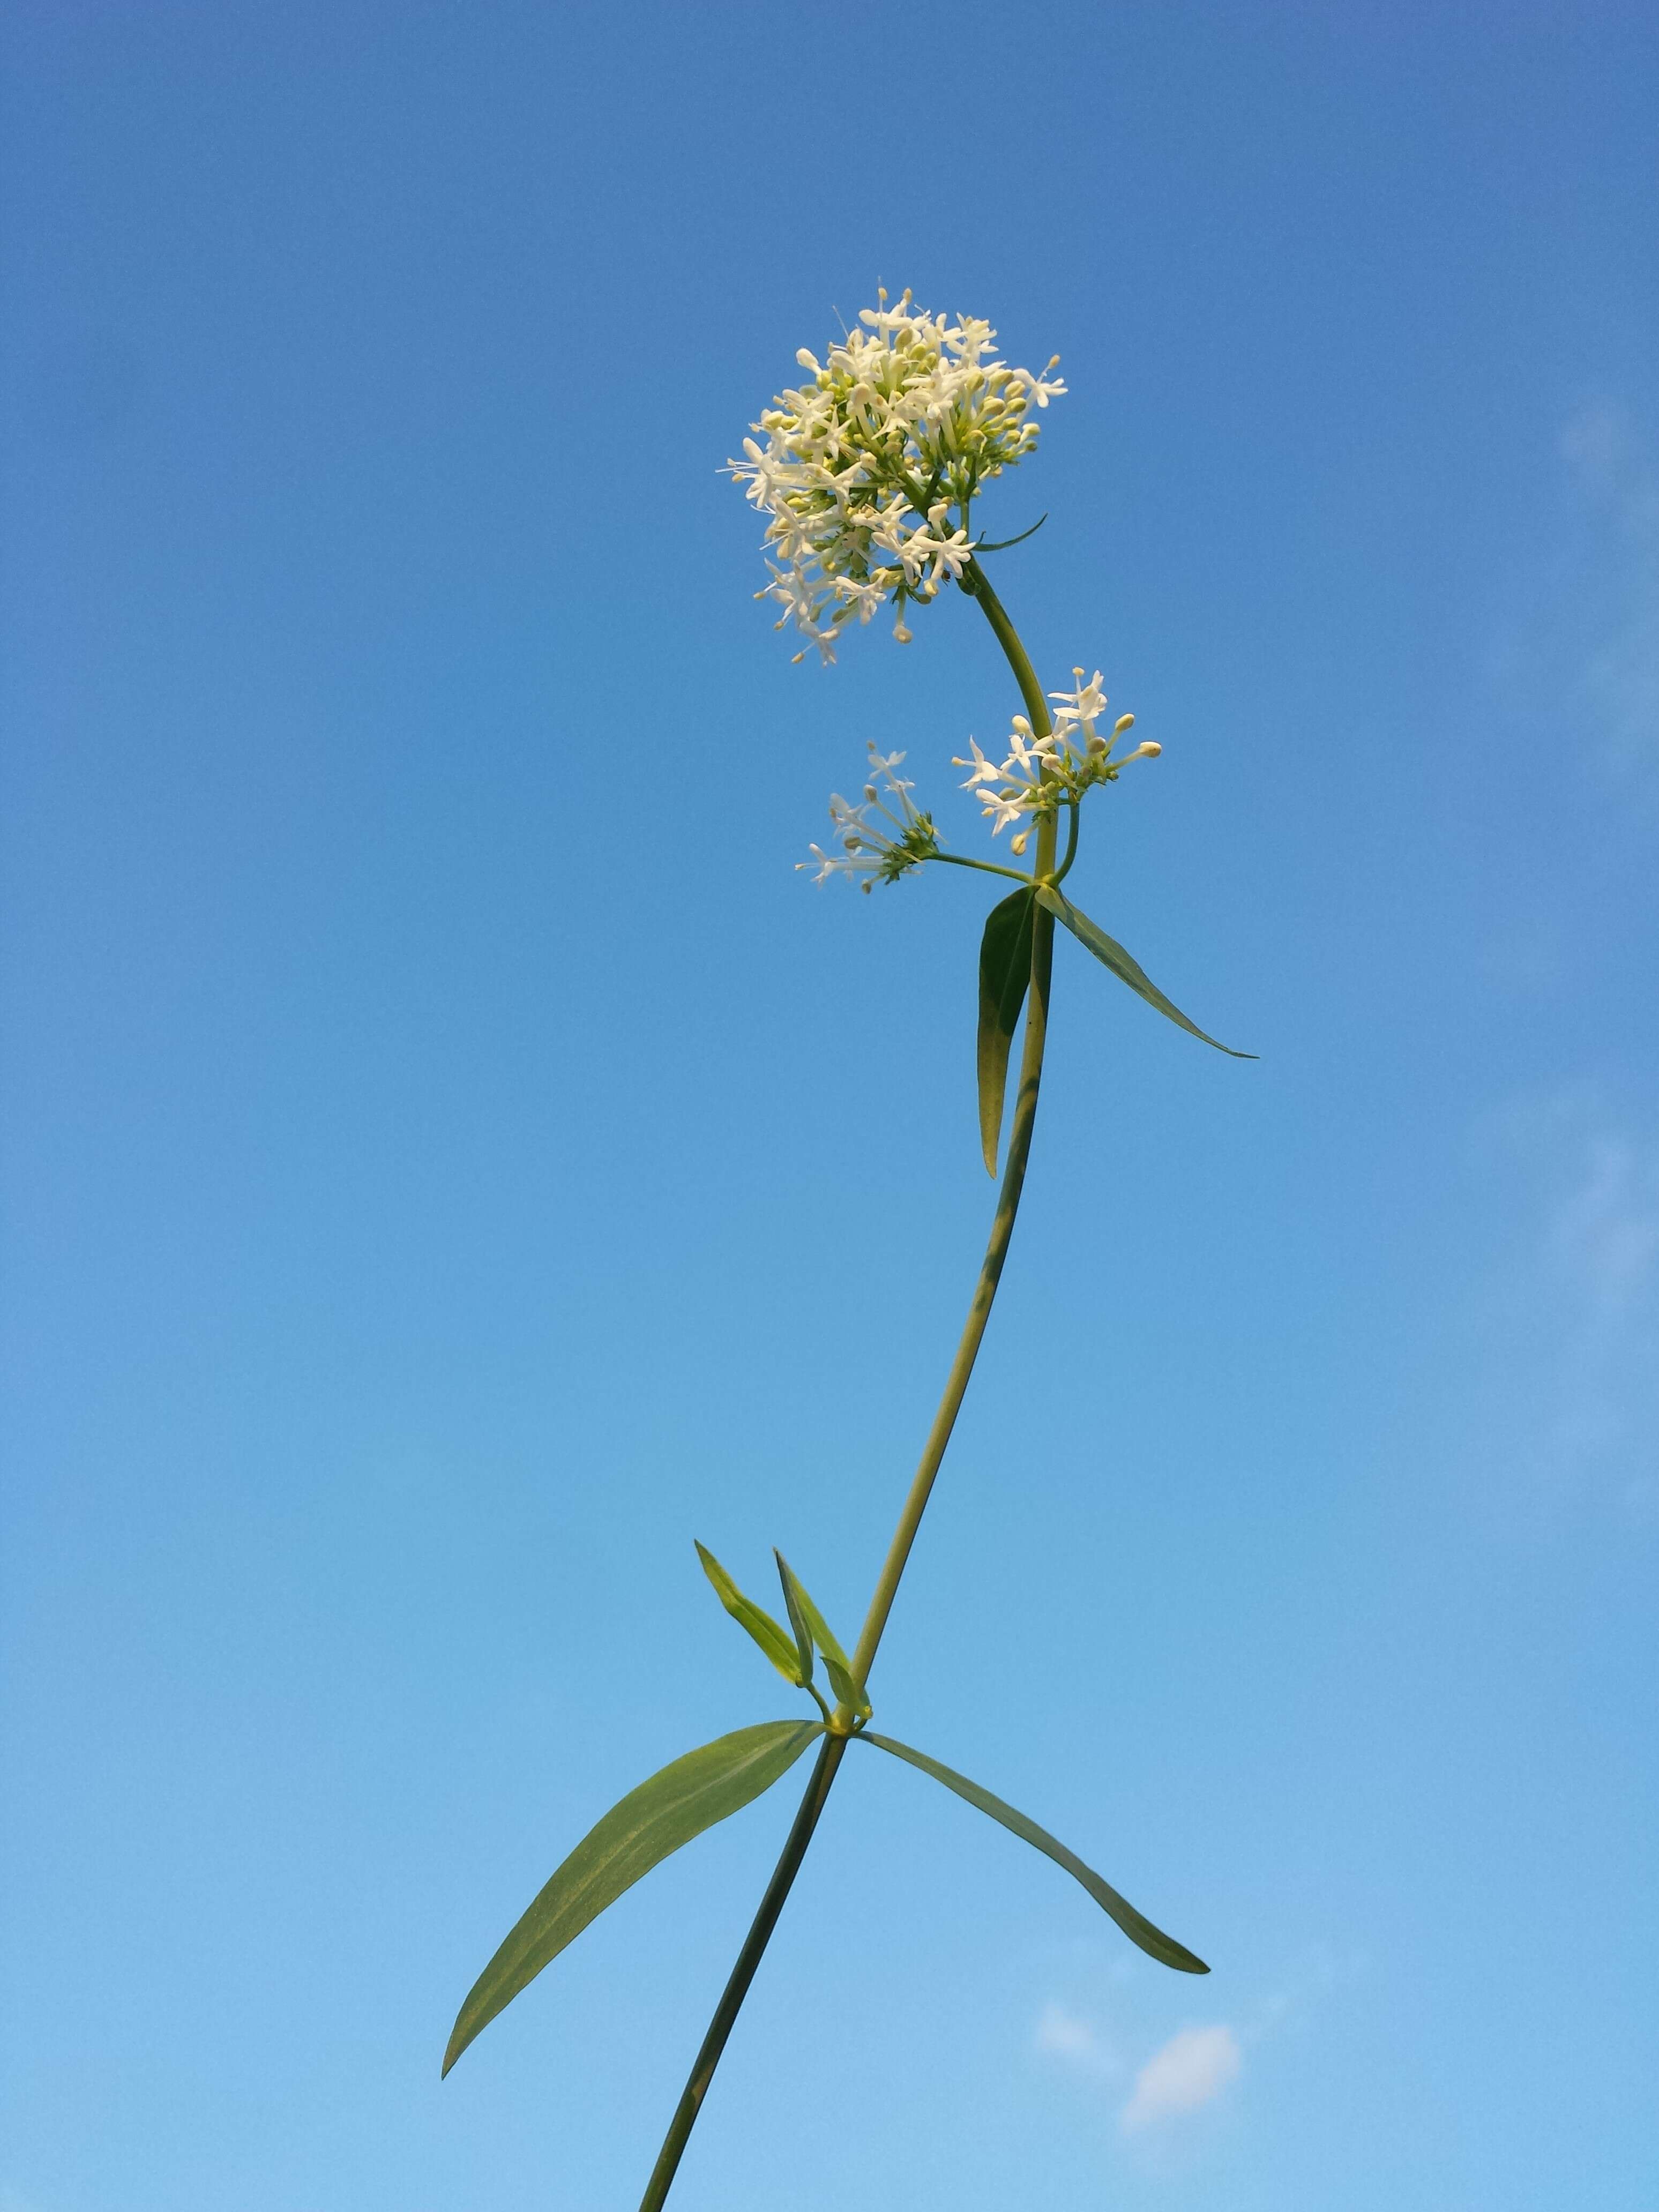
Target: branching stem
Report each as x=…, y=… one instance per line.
x=985, y=867
x=975, y=583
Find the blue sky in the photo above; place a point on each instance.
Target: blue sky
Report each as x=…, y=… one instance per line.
x=452, y=1160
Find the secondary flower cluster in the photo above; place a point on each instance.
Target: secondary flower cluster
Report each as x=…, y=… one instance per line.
x=1041, y=775
x=860, y=465
x=883, y=835
x=876, y=851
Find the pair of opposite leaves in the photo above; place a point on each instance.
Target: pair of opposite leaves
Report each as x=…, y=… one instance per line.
x=719, y=1778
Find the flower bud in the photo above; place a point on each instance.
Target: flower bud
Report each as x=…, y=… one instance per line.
x=1123, y=723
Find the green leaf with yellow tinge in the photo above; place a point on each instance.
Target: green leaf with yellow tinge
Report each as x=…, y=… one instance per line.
x=836, y=1664
x=679, y=1802
x=773, y=1639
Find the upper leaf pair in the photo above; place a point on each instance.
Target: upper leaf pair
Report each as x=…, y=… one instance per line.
x=1005, y=973
x=790, y=1653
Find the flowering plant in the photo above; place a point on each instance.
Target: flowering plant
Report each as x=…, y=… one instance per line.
x=867, y=475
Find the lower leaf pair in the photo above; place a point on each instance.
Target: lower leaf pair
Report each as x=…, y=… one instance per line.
x=694, y=1792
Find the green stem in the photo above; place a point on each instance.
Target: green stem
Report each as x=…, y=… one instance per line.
x=916, y=1503
x=990, y=1274
x=737, y=1988
x=977, y=585
x=985, y=867
x=1065, y=867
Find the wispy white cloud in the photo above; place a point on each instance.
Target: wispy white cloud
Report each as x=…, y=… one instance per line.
x=1574, y=1310
x=1616, y=477
x=1155, y=2085
x=1076, y=2042
x=1193, y=2067
x=1574, y=656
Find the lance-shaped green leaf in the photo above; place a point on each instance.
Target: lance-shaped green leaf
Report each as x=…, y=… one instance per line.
x=1138, y=1929
x=677, y=1803
x=1005, y=971
x=1124, y=965
x=773, y=1640
x=797, y=1620
x=836, y=1664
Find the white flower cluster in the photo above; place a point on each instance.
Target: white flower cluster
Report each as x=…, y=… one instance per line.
x=1043, y=773
x=860, y=466
x=869, y=850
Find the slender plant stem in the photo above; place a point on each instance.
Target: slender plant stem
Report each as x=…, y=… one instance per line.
x=841, y=1725
x=977, y=584
x=737, y=1988
x=985, y=867
x=985, y=1291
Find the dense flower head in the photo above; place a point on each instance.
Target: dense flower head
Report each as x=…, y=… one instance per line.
x=858, y=469
x=1041, y=775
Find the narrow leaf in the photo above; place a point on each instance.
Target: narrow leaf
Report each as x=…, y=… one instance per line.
x=836, y=1664
x=797, y=1618
x=1138, y=1929
x=677, y=1803
x=1004, y=970
x=1001, y=544
x=846, y=1691
x=1124, y=965
x=773, y=1640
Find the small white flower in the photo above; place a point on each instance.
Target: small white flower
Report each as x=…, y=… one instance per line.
x=1081, y=708
x=1042, y=773
x=983, y=770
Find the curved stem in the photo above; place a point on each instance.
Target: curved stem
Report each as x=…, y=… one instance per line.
x=977, y=585
x=1065, y=867
x=915, y=1503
